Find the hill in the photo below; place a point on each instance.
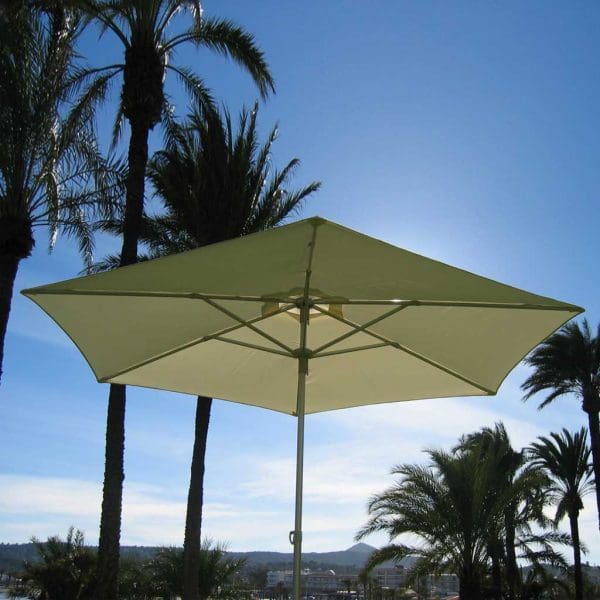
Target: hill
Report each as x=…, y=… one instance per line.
x=13, y=555
x=355, y=556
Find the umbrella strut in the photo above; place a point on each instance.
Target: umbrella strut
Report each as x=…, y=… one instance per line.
x=304, y=304
x=296, y=535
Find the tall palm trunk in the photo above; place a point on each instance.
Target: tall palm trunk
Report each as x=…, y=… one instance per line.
x=193, y=519
x=512, y=568
x=16, y=243
x=469, y=584
x=112, y=498
x=9, y=265
x=112, y=494
x=592, y=407
x=494, y=552
x=578, y=576
x=137, y=161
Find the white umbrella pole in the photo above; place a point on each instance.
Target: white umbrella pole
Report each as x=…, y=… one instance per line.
x=296, y=535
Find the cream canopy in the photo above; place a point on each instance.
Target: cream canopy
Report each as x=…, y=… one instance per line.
x=303, y=318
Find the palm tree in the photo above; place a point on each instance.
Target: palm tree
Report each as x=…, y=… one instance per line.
x=51, y=172
x=64, y=570
x=458, y=506
x=452, y=506
x=526, y=483
x=143, y=29
x=568, y=362
x=539, y=584
x=215, y=184
x=215, y=570
x=565, y=457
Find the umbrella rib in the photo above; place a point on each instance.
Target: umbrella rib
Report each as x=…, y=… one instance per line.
x=308, y=272
x=353, y=349
x=151, y=294
x=216, y=337
x=452, y=303
x=248, y=324
x=253, y=346
x=205, y=338
x=356, y=328
x=288, y=299
x=284, y=308
x=422, y=357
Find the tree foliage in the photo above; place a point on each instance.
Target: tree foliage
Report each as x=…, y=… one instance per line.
x=471, y=510
x=568, y=364
x=52, y=174
x=566, y=459
x=64, y=571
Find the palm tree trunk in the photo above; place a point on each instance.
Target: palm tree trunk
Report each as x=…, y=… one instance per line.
x=591, y=408
x=469, y=585
x=8, y=273
x=496, y=576
x=193, y=519
x=512, y=568
x=134, y=206
x=112, y=494
x=578, y=576
x=112, y=498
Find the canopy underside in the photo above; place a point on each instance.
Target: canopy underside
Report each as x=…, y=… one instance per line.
x=246, y=351
x=384, y=324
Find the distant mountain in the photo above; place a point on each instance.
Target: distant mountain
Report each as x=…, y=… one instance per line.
x=12, y=556
x=361, y=547
x=354, y=556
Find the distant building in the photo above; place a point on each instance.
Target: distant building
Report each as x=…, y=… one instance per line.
x=444, y=585
x=592, y=574
x=314, y=582
x=275, y=578
x=389, y=577
x=317, y=583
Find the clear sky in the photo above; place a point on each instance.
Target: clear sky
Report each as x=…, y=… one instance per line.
x=464, y=131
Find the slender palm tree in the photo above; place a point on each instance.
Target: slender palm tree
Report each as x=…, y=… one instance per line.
x=51, y=173
x=452, y=506
x=143, y=27
x=215, y=184
x=528, y=484
x=566, y=459
x=145, y=30
x=568, y=362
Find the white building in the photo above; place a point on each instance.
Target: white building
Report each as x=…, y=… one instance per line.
x=389, y=577
x=275, y=578
x=313, y=581
x=445, y=584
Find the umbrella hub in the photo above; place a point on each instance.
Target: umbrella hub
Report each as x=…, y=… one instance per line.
x=317, y=307
x=303, y=354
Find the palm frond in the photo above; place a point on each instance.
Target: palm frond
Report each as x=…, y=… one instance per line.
x=568, y=362
x=51, y=171
x=565, y=457
x=395, y=552
x=194, y=86
x=224, y=37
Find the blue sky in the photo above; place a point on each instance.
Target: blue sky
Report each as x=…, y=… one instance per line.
x=463, y=131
